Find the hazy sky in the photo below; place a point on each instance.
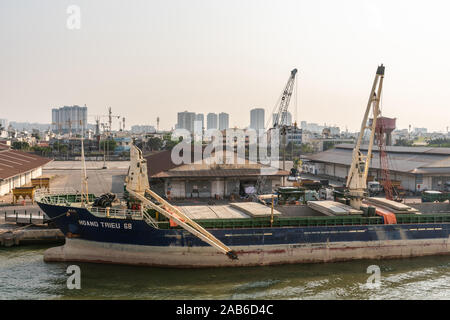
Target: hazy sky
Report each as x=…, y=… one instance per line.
x=156, y=58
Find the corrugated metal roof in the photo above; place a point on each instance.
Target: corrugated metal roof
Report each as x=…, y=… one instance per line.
x=160, y=165
x=14, y=162
x=398, y=161
x=398, y=149
x=216, y=173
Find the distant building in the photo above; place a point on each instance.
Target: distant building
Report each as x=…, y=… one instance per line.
x=4, y=124
x=27, y=126
x=211, y=121
x=257, y=119
x=143, y=129
x=294, y=136
x=186, y=121
x=420, y=131
x=224, y=120
x=70, y=119
x=287, y=118
x=123, y=144
x=200, y=117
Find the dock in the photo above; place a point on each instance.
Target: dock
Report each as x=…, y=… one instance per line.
x=26, y=226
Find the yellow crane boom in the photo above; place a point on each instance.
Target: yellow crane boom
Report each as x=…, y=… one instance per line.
x=138, y=187
x=359, y=169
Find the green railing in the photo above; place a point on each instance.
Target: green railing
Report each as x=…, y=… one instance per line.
x=311, y=221
x=65, y=199
x=422, y=218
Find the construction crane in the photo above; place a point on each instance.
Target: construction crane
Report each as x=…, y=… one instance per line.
x=110, y=116
x=357, y=175
x=283, y=104
x=279, y=122
x=138, y=186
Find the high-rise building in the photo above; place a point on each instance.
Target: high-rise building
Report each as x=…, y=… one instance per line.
x=70, y=119
x=4, y=124
x=211, y=121
x=287, y=119
x=200, y=117
x=186, y=120
x=257, y=119
x=224, y=120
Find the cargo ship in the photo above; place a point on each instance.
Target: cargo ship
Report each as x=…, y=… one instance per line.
x=153, y=232
x=160, y=234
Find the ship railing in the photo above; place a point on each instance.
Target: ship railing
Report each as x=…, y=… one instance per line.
x=44, y=194
x=116, y=213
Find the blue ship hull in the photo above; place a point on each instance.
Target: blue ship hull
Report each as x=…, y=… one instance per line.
x=96, y=239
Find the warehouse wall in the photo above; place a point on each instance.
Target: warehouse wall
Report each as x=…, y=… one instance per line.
x=177, y=189
x=20, y=180
x=217, y=187
x=4, y=187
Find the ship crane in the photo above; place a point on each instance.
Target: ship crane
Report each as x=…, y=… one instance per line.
x=138, y=186
x=357, y=175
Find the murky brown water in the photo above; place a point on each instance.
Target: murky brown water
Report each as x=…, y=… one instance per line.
x=24, y=275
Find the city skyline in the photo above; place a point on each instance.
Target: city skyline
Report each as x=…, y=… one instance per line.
x=233, y=64
x=116, y=124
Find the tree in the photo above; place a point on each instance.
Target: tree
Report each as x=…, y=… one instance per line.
x=110, y=145
x=307, y=148
x=154, y=143
x=169, y=143
x=36, y=135
x=20, y=145
x=440, y=142
x=404, y=142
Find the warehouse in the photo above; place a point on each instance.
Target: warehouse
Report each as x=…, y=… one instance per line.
x=17, y=168
x=202, y=180
x=416, y=168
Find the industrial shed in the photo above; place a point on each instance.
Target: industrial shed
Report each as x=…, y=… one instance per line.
x=202, y=180
x=417, y=168
x=17, y=168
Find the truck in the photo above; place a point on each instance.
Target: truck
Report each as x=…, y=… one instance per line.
x=374, y=188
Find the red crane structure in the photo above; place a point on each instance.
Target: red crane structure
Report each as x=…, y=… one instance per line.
x=384, y=127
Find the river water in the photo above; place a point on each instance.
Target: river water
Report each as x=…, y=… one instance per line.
x=24, y=275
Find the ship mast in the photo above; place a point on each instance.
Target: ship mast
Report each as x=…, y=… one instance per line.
x=84, y=183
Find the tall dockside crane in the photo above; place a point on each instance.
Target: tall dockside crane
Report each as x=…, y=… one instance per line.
x=359, y=169
x=280, y=118
x=279, y=121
